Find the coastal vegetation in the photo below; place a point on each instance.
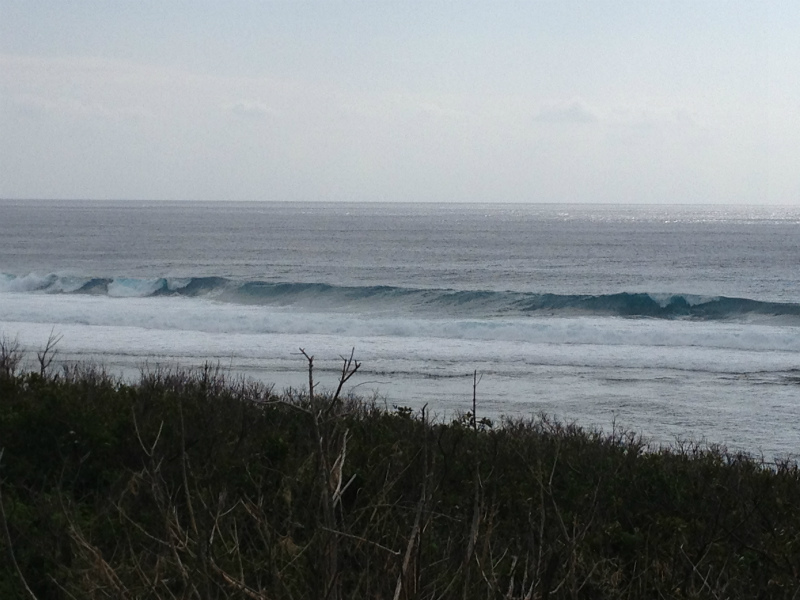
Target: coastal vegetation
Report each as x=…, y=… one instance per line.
x=197, y=484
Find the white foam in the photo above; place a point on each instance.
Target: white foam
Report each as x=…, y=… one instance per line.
x=176, y=283
x=67, y=284
x=663, y=378
x=204, y=315
x=728, y=396
x=665, y=299
x=26, y=283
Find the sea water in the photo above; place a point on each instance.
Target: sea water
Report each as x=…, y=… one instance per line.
x=678, y=322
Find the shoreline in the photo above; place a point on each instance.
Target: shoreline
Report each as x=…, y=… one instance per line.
x=750, y=411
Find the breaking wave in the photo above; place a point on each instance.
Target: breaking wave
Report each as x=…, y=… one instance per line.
x=477, y=303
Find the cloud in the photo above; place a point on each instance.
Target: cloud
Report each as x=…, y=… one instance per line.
x=81, y=88
x=37, y=107
x=575, y=111
x=250, y=109
x=649, y=116
x=31, y=107
x=437, y=110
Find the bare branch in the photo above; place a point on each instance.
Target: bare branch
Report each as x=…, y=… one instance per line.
x=412, y=539
x=349, y=368
x=47, y=355
x=310, y=360
x=10, y=356
x=239, y=585
x=361, y=539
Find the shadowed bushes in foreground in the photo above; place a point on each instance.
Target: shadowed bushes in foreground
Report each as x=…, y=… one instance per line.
x=188, y=485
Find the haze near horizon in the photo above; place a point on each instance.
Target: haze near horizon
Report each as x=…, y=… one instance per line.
x=625, y=102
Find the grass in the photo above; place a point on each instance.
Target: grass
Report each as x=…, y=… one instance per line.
x=194, y=485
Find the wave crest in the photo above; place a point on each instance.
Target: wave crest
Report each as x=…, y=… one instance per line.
x=399, y=299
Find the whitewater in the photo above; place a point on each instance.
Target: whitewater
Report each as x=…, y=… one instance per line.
x=681, y=322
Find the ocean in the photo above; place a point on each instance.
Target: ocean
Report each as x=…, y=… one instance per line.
x=681, y=323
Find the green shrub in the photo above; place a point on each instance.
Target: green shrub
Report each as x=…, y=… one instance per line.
x=192, y=485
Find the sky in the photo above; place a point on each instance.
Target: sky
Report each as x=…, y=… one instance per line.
x=640, y=101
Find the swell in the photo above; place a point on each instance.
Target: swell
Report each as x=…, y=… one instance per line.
x=390, y=298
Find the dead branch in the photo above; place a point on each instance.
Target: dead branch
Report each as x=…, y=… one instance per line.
x=475, y=381
x=10, y=356
x=310, y=360
x=411, y=541
x=361, y=539
x=349, y=368
x=242, y=587
x=46, y=356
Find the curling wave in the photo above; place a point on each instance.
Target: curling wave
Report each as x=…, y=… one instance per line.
x=389, y=298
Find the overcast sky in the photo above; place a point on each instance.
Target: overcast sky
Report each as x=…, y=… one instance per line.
x=593, y=101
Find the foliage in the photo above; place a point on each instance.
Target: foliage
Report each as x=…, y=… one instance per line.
x=190, y=485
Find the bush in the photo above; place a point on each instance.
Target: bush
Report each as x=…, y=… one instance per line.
x=192, y=485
